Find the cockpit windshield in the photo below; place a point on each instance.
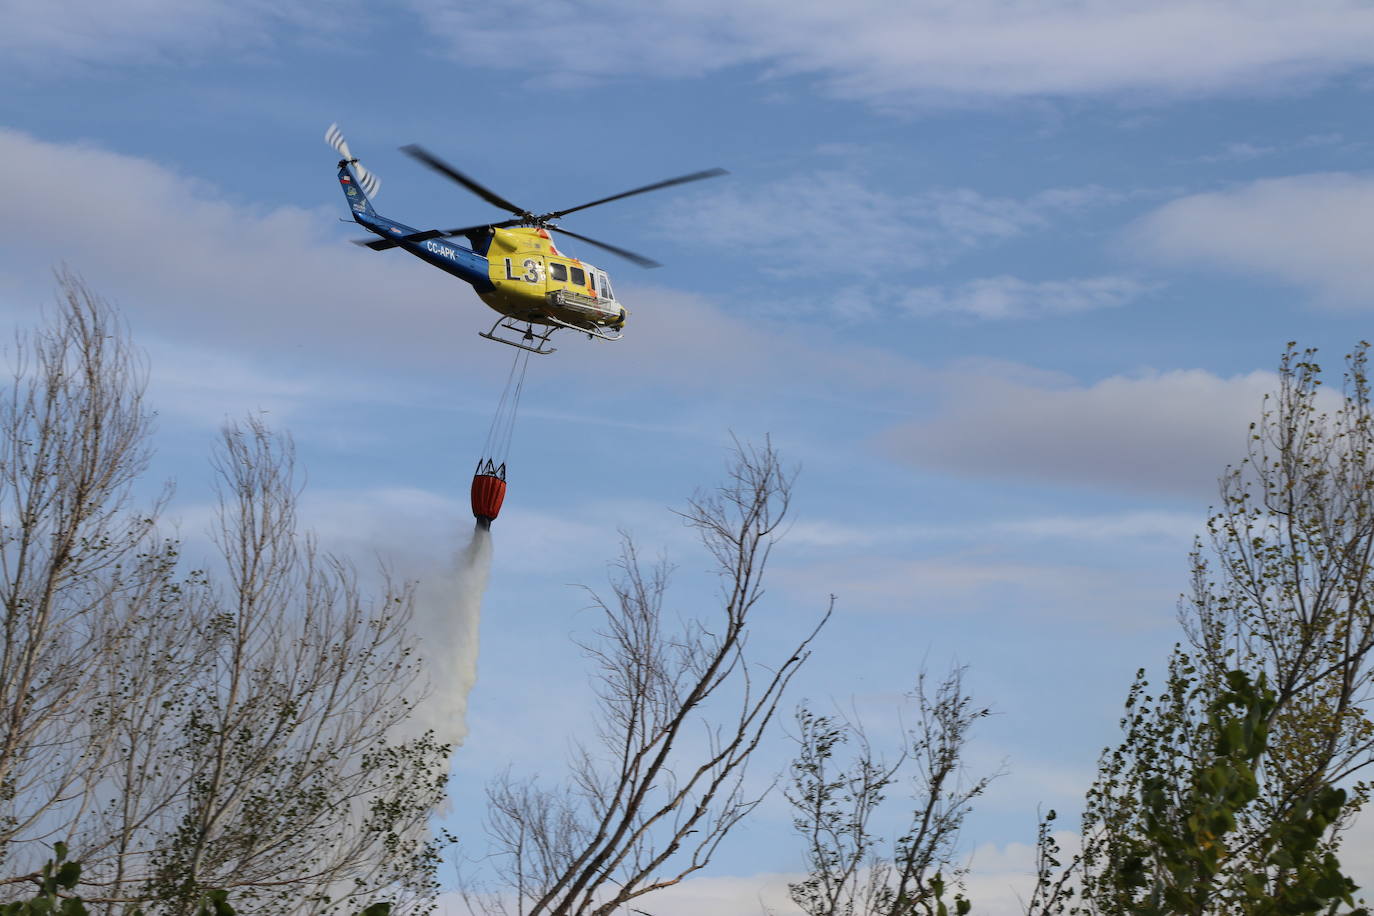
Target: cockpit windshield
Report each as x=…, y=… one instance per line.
x=604, y=283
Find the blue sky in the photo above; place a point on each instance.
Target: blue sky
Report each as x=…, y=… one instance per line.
x=1007, y=284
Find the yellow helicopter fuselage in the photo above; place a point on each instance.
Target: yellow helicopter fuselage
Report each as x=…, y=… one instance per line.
x=533, y=281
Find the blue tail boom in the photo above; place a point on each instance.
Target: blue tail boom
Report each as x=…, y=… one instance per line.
x=353, y=191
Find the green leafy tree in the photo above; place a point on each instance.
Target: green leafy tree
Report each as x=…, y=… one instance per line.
x=1281, y=598
x=1182, y=858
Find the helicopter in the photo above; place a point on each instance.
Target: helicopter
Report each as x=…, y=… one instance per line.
x=513, y=264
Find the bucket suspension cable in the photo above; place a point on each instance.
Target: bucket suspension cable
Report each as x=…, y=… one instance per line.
x=497, y=446
x=489, y=481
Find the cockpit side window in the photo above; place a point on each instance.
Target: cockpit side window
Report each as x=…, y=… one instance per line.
x=606, y=287
x=558, y=271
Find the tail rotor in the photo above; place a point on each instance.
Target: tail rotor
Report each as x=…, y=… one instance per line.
x=369, y=182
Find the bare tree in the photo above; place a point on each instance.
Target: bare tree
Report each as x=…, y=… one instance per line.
x=680, y=711
x=72, y=443
x=853, y=871
x=291, y=793
x=227, y=727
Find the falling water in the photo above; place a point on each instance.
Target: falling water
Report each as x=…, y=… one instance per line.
x=449, y=610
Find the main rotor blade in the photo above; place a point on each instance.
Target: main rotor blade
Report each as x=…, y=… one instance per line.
x=444, y=168
x=449, y=233
x=681, y=179
x=623, y=252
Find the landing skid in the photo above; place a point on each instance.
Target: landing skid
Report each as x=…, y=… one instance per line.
x=537, y=342
x=590, y=332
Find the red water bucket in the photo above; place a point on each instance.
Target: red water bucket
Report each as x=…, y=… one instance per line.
x=488, y=491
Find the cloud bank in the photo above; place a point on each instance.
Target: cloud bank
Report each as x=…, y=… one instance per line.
x=1162, y=432
x=920, y=53
x=188, y=256
x=930, y=51
x=780, y=223
x=1313, y=231
x=994, y=298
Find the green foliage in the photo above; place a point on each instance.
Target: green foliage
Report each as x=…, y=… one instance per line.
x=936, y=906
x=1054, y=890
x=1235, y=777
x=55, y=883
x=1176, y=850
x=57, y=895
x=214, y=903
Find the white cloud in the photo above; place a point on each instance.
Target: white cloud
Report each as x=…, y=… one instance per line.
x=1000, y=876
x=186, y=260
x=47, y=36
x=994, y=298
x=688, y=343
x=975, y=582
x=1239, y=152
x=1314, y=231
x=811, y=534
x=1171, y=432
x=1174, y=526
x=779, y=224
x=725, y=895
x=205, y=387
x=930, y=50
x=925, y=52
x=1357, y=854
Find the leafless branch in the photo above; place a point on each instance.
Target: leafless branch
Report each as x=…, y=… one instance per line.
x=650, y=802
